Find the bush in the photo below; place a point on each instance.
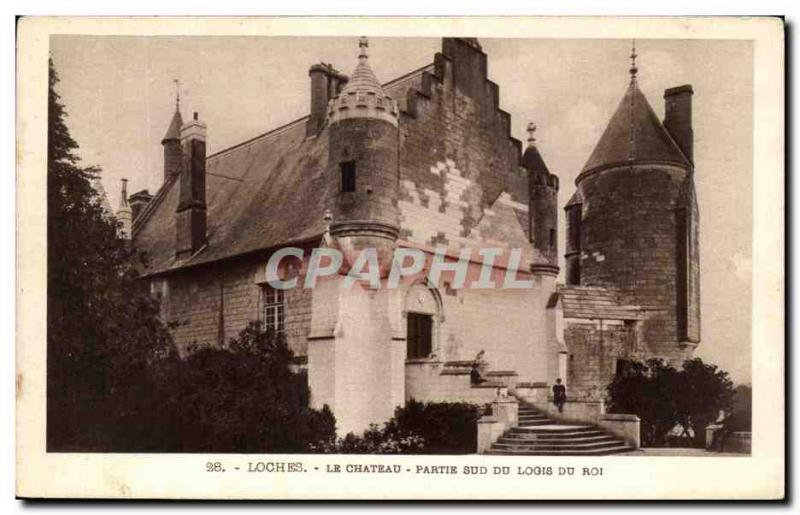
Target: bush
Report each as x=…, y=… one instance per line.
x=241, y=398
x=417, y=428
x=665, y=398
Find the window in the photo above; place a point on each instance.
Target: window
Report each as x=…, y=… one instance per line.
x=348, y=169
x=419, y=335
x=552, y=238
x=683, y=259
x=274, y=313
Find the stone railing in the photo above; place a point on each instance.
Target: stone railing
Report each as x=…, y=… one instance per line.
x=505, y=415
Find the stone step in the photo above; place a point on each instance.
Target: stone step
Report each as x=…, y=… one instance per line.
x=556, y=445
x=535, y=423
x=586, y=452
x=527, y=439
x=557, y=429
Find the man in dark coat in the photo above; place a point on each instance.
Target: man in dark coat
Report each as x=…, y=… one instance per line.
x=559, y=395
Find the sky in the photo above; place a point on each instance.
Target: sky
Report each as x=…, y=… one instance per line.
x=120, y=96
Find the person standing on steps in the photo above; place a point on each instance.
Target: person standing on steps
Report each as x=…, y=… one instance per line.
x=559, y=395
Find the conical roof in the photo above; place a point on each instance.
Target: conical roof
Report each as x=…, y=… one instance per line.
x=174, y=130
x=634, y=135
x=363, y=96
x=531, y=158
x=363, y=79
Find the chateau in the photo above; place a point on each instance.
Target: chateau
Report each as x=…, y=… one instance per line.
x=427, y=161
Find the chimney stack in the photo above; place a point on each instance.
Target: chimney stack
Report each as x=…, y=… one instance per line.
x=191, y=212
x=138, y=201
x=326, y=83
x=124, y=215
x=678, y=118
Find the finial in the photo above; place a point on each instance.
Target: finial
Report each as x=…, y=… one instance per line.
x=363, y=44
x=531, y=130
x=633, y=56
x=177, y=94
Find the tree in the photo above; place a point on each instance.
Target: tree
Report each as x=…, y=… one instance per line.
x=103, y=330
x=664, y=397
x=645, y=389
x=702, y=394
x=240, y=398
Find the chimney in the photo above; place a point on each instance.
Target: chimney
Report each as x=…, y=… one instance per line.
x=190, y=225
x=678, y=118
x=326, y=83
x=138, y=201
x=124, y=212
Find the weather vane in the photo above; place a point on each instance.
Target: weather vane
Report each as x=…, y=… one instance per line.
x=177, y=94
x=633, y=69
x=531, y=130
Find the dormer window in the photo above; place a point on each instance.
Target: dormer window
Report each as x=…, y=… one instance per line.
x=348, y=171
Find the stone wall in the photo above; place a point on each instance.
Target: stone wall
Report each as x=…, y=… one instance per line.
x=594, y=348
x=214, y=302
x=628, y=241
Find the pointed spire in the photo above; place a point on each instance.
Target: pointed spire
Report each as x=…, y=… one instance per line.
x=363, y=96
x=634, y=135
x=531, y=158
x=174, y=130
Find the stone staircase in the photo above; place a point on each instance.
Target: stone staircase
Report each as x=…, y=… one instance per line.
x=538, y=435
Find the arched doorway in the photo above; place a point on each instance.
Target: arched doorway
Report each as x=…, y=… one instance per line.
x=422, y=311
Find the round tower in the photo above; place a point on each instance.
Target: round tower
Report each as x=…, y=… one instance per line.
x=363, y=163
x=543, y=207
x=632, y=225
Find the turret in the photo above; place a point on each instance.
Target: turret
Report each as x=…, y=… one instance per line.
x=171, y=143
x=124, y=213
x=363, y=161
x=543, y=207
x=632, y=222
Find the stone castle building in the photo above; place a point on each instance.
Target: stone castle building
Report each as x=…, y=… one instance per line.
x=427, y=161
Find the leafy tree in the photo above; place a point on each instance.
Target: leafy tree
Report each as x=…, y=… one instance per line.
x=702, y=394
x=664, y=397
x=102, y=329
x=240, y=398
x=646, y=389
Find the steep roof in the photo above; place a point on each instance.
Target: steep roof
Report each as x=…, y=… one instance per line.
x=532, y=159
x=174, y=130
x=634, y=135
x=595, y=303
x=265, y=192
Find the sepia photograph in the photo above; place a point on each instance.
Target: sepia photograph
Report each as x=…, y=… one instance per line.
x=499, y=249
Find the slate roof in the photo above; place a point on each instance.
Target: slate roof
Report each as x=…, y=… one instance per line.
x=594, y=303
x=174, y=130
x=532, y=159
x=633, y=135
x=263, y=193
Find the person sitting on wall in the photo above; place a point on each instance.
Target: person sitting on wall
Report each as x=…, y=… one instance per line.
x=559, y=395
x=475, y=374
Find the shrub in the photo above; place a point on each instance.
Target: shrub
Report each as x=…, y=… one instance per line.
x=417, y=428
x=665, y=398
x=241, y=398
